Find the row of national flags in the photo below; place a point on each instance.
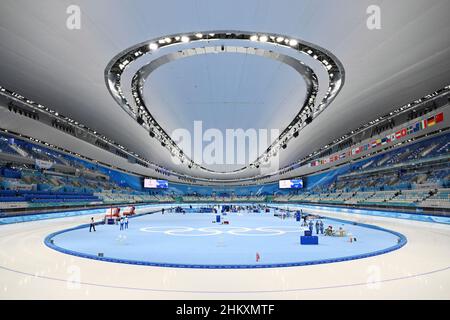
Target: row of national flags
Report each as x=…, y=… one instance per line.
x=418, y=126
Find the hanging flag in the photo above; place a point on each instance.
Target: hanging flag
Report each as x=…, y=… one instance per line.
x=431, y=122
x=423, y=124
x=393, y=137
x=439, y=117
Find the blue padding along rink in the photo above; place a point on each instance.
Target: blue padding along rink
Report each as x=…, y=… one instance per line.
x=70, y=213
x=192, y=240
x=380, y=213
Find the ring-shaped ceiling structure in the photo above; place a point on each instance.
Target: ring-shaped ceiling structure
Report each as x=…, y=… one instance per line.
x=144, y=58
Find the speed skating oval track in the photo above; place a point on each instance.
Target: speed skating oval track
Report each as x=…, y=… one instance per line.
x=418, y=270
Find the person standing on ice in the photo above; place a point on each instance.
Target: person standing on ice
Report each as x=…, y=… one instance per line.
x=121, y=223
x=321, y=226
x=258, y=257
x=311, y=224
x=317, y=227
x=126, y=222
x=92, y=225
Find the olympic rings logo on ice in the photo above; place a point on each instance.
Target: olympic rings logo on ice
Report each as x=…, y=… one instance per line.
x=214, y=231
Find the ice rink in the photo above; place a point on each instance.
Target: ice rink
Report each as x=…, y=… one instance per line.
x=196, y=240
x=418, y=270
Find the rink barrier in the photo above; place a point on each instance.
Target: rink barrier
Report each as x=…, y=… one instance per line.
x=421, y=217
x=73, y=213
x=402, y=240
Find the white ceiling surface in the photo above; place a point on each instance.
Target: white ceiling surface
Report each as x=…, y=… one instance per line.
x=44, y=61
x=225, y=91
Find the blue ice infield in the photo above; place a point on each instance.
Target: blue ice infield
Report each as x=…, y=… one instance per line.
x=192, y=240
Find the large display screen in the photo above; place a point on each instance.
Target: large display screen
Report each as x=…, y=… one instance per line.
x=291, y=184
x=155, y=184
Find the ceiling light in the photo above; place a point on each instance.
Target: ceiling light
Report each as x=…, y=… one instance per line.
x=199, y=35
x=185, y=39
x=254, y=38
x=263, y=38
x=293, y=42
x=153, y=46
x=280, y=39
x=167, y=40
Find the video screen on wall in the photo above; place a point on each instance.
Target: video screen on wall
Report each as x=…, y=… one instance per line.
x=291, y=184
x=155, y=184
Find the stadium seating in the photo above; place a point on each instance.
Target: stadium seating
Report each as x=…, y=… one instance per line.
x=415, y=176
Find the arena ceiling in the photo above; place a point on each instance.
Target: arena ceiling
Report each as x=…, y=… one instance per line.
x=43, y=60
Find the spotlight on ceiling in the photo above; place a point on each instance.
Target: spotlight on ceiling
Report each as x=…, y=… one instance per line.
x=185, y=39
x=153, y=46
x=263, y=38
x=293, y=42
x=280, y=39
x=199, y=35
x=254, y=38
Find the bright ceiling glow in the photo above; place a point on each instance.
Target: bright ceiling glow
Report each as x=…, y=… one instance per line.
x=153, y=46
